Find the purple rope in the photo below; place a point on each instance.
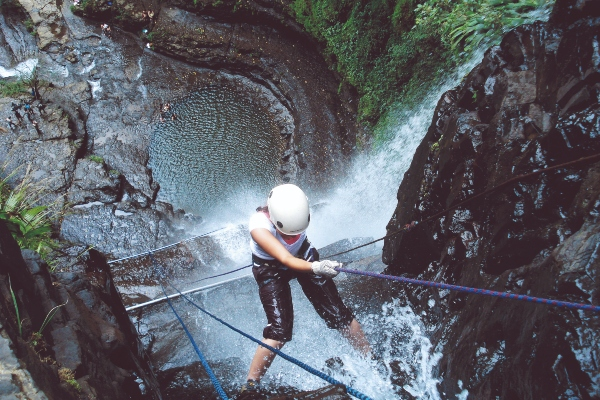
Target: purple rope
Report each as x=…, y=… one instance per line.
x=486, y=292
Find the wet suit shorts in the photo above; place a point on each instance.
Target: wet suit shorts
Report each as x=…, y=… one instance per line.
x=275, y=294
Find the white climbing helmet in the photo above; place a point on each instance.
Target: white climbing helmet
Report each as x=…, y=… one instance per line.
x=288, y=209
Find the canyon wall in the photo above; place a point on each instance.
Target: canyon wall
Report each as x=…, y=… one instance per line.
x=532, y=103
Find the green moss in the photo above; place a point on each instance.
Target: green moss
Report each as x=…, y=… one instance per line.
x=96, y=159
x=373, y=46
x=74, y=384
x=30, y=26
x=68, y=376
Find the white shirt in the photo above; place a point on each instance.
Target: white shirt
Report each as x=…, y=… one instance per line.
x=260, y=220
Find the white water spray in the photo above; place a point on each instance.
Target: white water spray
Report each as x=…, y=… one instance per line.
x=23, y=69
x=363, y=205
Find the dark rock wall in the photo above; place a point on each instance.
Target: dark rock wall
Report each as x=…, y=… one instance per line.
x=91, y=334
x=532, y=103
x=259, y=41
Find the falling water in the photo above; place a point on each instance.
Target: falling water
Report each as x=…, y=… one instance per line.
x=363, y=205
x=22, y=70
x=359, y=207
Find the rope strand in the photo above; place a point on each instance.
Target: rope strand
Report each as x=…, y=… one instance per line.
x=467, y=289
x=291, y=359
x=209, y=371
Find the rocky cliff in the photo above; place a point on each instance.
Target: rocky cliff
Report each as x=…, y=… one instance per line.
x=532, y=103
x=95, y=105
x=85, y=349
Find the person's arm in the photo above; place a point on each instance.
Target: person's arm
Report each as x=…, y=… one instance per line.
x=271, y=245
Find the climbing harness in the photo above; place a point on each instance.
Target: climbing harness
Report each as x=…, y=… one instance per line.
x=473, y=290
x=207, y=368
x=291, y=359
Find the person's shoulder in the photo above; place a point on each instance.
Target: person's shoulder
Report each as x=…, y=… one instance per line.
x=259, y=220
x=259, y=216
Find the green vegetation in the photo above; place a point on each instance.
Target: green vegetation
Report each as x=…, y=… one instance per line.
x=29, y=223
x=12, y=89
x=50, y=315
x=30, y=26
x=96, y=159
x=27, y=81
x=37, y=337
x=14, y=299
x=465, y=24
x=68, y=376
x=394, y=51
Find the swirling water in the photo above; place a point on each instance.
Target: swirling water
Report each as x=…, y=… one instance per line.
x=220, y=148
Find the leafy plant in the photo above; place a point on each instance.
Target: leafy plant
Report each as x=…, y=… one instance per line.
x=393, y=51
x=28, y=222
x=50, y=315
x=14, y=299
x=30, y=26
x=466, y=24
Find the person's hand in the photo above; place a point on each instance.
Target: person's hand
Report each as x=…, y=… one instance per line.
x=326, y=268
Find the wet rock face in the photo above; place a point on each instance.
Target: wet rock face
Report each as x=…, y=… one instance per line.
x=532, y=103
x=260, y=42
x=90, y=334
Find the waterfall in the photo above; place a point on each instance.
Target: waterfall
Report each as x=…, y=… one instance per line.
x=360, y=206
x=364, y=203
x=23, y=69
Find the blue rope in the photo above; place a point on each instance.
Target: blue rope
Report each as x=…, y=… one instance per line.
x=291, y=359
x=209, y=371
x=486, y=292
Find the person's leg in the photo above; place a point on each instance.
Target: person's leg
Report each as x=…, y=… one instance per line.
x=276, y=298
x=262, y=359
x=357, y=338
x=324, y=296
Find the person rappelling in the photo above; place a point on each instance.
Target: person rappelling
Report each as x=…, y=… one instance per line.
x=281, y=252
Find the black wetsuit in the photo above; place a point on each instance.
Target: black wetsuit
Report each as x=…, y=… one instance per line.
x=275, y=294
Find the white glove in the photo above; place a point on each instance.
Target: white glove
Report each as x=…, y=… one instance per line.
x=326, y=268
